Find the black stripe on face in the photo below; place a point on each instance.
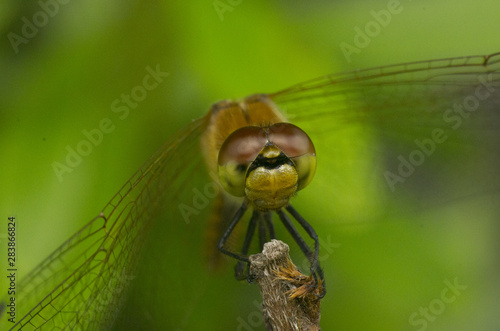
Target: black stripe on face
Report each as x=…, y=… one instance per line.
x=269, y=163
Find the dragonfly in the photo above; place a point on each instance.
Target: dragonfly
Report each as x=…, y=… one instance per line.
x=265, y=160
x=422, y=135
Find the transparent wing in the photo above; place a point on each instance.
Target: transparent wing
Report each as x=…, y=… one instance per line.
x=417, y=118
x=82, y=284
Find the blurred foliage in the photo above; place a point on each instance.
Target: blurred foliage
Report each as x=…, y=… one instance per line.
x=64, y=79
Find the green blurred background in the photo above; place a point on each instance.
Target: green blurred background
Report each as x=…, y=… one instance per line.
x=65, y=78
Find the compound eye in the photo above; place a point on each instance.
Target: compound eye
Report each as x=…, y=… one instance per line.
x=297, y=145
x=237, y=152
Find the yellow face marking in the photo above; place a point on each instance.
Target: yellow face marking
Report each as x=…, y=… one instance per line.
x=271, y=189
x=270, y=152
x=272, y=180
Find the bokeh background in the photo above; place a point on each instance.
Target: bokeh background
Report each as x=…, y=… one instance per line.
x=64, y=79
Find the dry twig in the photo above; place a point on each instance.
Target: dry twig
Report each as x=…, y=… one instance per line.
x=289, y=300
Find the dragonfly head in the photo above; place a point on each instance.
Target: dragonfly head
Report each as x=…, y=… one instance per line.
x=267, y=165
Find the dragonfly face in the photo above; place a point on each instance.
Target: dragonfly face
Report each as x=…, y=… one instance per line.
x=268, y=164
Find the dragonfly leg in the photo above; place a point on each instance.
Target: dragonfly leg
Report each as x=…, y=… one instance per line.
x=265, y=226
x=313, y=257
x=240, y=265
x=236, y=218
x=262, y=233
x=268, y=218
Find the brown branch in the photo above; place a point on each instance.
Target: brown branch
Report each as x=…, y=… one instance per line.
x=289, y=302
